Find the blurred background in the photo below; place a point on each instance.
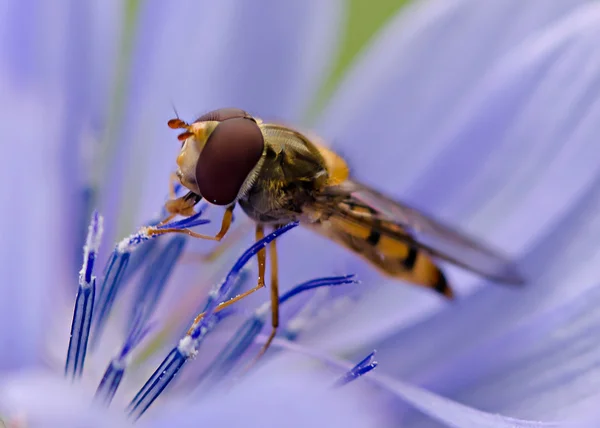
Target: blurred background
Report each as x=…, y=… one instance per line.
x=483, y=113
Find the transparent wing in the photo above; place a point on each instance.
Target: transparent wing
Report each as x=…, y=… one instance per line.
x=417, y=228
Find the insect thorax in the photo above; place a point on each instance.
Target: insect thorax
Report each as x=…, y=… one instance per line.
x=267, y=202
x=291, y=173
x=279, y=201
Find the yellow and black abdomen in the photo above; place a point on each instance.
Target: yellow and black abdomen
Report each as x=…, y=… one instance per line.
x=358, y=228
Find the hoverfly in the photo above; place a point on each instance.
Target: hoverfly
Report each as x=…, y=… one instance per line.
x=278, y=175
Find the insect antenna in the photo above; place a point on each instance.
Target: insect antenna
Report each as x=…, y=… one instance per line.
x=177, y=123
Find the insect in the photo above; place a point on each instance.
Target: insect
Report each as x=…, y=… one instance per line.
x=277, y=175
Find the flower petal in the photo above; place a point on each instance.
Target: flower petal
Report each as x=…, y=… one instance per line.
x=37, y=399
x=544, y=367
x=411, y=100
x=64, y=59
x=453, y=414
x=532, y=353
x=429, y=405
x=406, y=86
x=32, y=262
x=277, y=394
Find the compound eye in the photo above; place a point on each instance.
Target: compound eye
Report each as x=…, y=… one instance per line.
x=222, y=114
x=232, y=150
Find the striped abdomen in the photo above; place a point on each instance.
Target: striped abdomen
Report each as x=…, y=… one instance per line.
x=359, y=228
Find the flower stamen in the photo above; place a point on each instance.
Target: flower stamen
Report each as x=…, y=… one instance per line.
x=364, y=366
x=245, y=336
x=116, y=368
x=189, y=344
x=116, y=267
x=155, y=279
x=84, y=302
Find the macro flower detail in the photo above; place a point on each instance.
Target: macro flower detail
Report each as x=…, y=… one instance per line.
x=84, y=302
x=145, y=299
x=483, y=114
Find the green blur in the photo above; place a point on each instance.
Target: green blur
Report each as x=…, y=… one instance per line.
x=363, y=20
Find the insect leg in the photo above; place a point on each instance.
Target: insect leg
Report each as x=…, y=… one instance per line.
x=225, y=225
x=274, y=305
x=261, y=258
x=274, y=299
x=183, y=206
x=172, y=179
x=174, y=205
x=235, y=235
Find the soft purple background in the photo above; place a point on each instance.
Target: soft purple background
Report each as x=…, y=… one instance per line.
x=485, y=113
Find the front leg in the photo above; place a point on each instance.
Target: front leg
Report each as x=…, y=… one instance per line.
x=274, y=299
x=183, y=206
x=261, y=259
x=225, y=225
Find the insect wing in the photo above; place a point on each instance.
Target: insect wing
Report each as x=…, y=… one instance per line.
x=437, y=239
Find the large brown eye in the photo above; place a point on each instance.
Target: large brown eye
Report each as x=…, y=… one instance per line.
x=230, y=153
x=223, y=114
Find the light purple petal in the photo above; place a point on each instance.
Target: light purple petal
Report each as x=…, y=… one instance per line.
x=430, y=67
x=278, y=394
x=35, y=50
x=425, y=407
x=44, y=84
x=267, y=57
x=546, y=366
x=532, y=353
x=54, y=50
x=452, y=414
x=408, y=84
x=35, y=399
x=93, y=64
x=31, y=255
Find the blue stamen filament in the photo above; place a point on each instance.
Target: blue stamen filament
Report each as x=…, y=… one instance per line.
x=141, y=255
x=110, y=381
x=116, y=369
x=169, y=368
x=186, y=222
x=189, y=344
x=159, y=380
x=116, y=268
x=155, y=278
x=158, y=269
x=229, y=281
x=245, y=336
x=363, y=367
x=316, y=283
x=113, y=276
x=238, y=282
x=84, y=302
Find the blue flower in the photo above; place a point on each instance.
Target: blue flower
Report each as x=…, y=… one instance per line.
x=483, y=113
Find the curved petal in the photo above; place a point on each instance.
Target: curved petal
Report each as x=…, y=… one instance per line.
x=38, y=399
x=93, y=67
x=45, y=84
x=429, y=405
x=453, y=414
x=276, y=395
x=267, y=57
x=543, y=368
x=426, y=76
x=525, y=351
x=32, y=259
x=406, y=86
x=59, y=54
x=541, y=338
